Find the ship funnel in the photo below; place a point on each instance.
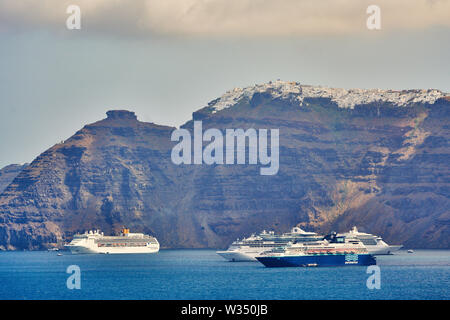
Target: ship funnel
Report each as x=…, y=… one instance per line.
x=297, y=230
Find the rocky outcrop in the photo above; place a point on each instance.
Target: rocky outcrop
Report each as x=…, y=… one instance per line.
x=379, y=161
x=8, y=173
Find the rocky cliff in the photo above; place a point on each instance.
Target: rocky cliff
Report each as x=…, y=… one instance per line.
x=8, y=173
x=377, y=159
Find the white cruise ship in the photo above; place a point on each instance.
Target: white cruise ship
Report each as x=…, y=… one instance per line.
x=248, y=248
x=374, y=244
x=96, y=242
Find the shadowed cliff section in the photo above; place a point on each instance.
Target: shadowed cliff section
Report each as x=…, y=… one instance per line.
x=8, y=173
x=381, y=167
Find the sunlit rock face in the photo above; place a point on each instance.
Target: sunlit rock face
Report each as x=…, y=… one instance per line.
x=376, y=159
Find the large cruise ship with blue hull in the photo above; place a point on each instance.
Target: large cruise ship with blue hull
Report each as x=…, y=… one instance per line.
x=332, y=251
x=328, y=260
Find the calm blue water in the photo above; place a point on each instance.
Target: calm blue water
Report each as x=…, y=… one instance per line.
x=201, y=274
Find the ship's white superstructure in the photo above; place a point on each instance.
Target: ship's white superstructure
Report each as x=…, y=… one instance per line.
x=374, y=244
x=247, y=249
x=331, y=244
x=96, y=242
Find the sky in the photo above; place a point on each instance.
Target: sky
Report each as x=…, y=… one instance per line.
x=165, y=59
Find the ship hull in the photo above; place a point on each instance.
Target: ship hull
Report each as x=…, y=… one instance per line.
x=318, y=260
x=111, y=250
x=235, y=256
x=383, y=250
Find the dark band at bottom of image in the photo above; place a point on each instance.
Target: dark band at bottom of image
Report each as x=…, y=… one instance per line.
x=228, y=309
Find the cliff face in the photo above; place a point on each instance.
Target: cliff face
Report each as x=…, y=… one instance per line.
x=109, y=174
x=377, y=160
x=8, y=173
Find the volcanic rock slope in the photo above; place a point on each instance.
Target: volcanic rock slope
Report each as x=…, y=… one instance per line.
x=8, y=173
x=377, y=159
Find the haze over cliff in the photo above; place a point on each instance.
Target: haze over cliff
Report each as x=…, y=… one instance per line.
x=377, y=159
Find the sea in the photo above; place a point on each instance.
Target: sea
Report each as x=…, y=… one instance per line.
x=202, y=274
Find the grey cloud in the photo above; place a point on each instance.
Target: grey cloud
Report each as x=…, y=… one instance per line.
x=226, y=17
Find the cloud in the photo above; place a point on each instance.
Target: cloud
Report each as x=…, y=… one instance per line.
x=225, y=17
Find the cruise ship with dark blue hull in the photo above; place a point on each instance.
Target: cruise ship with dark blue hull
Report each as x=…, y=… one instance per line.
x=332, y=251
x=329, y=260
